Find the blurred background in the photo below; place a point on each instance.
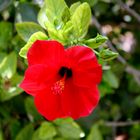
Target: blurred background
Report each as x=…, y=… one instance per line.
x=117, y=116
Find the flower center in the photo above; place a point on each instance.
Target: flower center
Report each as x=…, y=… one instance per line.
x=58, y=87
x=65, y=70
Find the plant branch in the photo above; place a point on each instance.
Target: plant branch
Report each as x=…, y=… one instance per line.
x=99, y=27
x=129, y=10
x=129, y=69
x=134, y=72
x=122, y=124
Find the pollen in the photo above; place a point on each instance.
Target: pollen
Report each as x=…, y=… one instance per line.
x=58, y=87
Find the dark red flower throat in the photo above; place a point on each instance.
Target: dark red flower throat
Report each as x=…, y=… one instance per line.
x=59, y=86
x=64, y=71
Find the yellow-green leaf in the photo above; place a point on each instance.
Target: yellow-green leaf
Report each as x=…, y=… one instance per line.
x=74, y=6
x=69, y=129
x=81, y=19
x=8, y=66
x=47, y=130
x=25, y=133
x=96, y=42
x=95, y=133
x=107, y=54
x=51, y=13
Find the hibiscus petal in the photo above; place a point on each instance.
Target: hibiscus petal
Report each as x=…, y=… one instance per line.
x=46, y=52
x=37, y=77
x=79, y=102
x=81, y=54
x=86, y=78
x=49, y=105
x=85, y=68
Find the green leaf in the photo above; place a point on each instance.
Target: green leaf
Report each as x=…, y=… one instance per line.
x=66, y=15
x=51, y=12
x=110, y=78
x=137, y=101
x=60, y=138
x=26, y=29
x=74, y=6
x=91, y=2
x=42, y=16
x=27, y=12
x=95, y=133
x=16, y=79
x=31, y=109
x=1, y=134
x=107, y=55
x=105, y=89
x=96, y=42
x=17, y=42
x=6, y=31
x=7, y=95
x=8, y=66
x=134, y=132
x=36, y=36
x=47, y=130
x=25, y=133
x=35, y=135
x=4, y=112
x=14, y=127
x=69, y=129
x=133, y=85
x=2, y=55
x=57, y=35
x=10, y=88
x=68, y=31
x=81, y=19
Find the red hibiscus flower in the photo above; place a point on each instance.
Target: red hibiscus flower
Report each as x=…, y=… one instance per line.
x=62, y=81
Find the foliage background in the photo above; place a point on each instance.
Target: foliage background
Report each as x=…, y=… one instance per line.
x=117, y=115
